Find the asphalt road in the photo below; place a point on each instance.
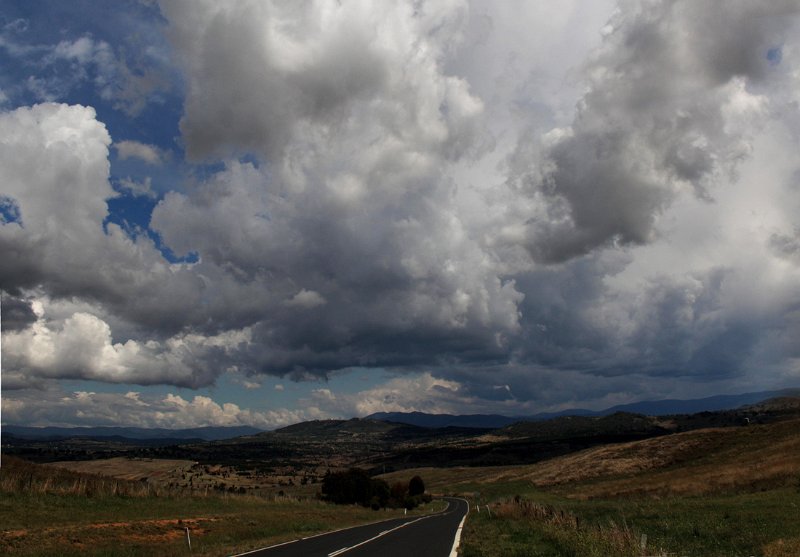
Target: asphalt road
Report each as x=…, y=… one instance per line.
x=427, y=536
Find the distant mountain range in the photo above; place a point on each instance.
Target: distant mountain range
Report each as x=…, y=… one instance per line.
x=649, y=408
x=419, y=419
x=209, y=433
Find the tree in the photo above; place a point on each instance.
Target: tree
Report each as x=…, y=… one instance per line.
x=416, y=486
x=399, y=491
x=354, y=486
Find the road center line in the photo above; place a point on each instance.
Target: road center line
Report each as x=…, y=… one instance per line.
x=344, y=549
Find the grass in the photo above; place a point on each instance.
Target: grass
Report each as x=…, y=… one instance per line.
x=762, y=523
x=731, y=492
x=47, y=511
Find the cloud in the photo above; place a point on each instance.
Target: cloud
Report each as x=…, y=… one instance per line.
x=416, y=393
x=665, y=113
x=306, y=299
x=80, y=346
x=381, y=194
x=138, y=189
x=63, y=67
x=55, y=166
x=281, y=71
x=134, y=409
x=17, y=313
x=134, y=149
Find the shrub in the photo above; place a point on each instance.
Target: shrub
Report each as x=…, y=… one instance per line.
x=354, y=486
x=416, y=486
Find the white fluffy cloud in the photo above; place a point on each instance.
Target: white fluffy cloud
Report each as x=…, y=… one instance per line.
x=135, y=409
x=418, y=393
x=78, y=345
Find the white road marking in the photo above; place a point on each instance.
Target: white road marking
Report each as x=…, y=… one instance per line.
x=263, y=548
x=340, y=551
x=457, y=540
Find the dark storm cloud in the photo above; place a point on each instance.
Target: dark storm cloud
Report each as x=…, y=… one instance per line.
x=17, y=313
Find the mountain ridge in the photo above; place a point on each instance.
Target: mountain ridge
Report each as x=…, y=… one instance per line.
x=206, y=433
x=663, y=407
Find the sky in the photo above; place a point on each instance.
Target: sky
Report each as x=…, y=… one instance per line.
x=264, y=212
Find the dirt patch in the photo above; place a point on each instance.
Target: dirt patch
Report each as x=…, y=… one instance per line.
x=783, y=548
x=141, y=532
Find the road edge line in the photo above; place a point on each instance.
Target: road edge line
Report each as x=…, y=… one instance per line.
x=457, y=539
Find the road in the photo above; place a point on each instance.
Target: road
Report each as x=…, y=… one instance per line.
x=426, y=536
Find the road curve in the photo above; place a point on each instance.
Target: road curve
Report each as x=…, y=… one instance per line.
x=425, y=536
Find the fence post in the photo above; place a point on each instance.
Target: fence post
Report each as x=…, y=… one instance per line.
x=188, y=538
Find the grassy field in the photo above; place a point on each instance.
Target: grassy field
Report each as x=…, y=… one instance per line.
x=47, y=511
x=541, y=524
x=716, y=492
x=196, y=477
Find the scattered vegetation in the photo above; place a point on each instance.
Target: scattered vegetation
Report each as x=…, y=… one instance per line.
x=715, y=492
x=45, y=510
x=18, y=476
x=528, y=525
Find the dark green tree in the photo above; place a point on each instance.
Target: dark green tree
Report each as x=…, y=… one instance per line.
x=354, y=486
x=416, y=486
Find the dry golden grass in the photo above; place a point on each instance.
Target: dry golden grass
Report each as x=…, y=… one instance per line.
x=18, y=476
x=127, y=468
x=692, y=463
x=783, y=548
x=566, y=528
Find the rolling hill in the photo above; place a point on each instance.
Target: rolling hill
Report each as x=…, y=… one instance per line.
x=650, y=408
x=209, y=433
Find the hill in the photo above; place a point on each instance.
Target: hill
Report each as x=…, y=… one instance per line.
x=308, y=450
x=698, y=462
x=421, y=419
x=650, y=408
x=209, y=433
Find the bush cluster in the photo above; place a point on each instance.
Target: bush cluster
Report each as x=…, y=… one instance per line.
x=355, y=486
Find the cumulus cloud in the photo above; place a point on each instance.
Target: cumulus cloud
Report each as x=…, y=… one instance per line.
x=306, y=299
x=381, y=194
x=666, y=112
x=66, y=65
x=80, y=346
x=356, y=123
x=417, y=393
x=142, y=151
x=136, y=188
x=55, y=407
x=18, y=313
x=55, y=166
